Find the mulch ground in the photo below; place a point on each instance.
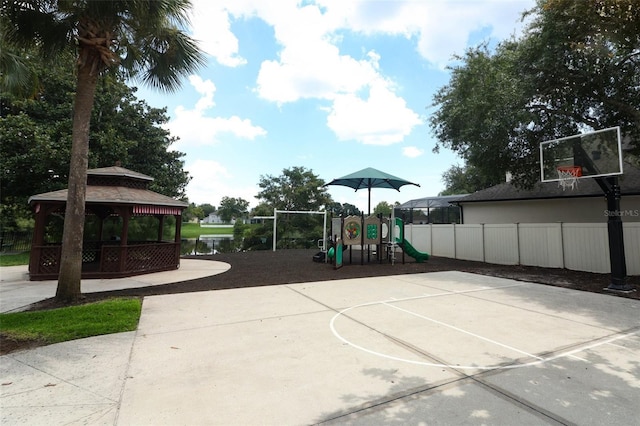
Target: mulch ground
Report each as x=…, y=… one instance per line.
x=263, y=268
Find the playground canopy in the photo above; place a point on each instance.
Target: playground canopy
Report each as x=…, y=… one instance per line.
x=370, y=178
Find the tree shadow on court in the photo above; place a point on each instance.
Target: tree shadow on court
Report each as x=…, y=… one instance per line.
x=392, y=407
x=592, y=309
x=602, y=387
x=595, y=378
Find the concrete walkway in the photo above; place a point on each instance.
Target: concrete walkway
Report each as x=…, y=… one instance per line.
x=17, y=292
x=434, y=348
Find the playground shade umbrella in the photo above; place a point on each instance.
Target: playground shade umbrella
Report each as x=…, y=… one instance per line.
x=370, y=178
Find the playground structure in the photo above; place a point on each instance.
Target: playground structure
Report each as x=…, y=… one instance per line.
x=360, y=231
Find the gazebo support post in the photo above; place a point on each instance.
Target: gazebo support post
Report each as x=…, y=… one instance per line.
x=121, y=212
x=38, y=236
x=178, y=238
x=100, y=229
x=126, y=214
x=35, y=256
x=160, y=226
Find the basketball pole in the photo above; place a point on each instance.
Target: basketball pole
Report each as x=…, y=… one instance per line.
x=617, y=259
x=558, y=149
x=611, y=189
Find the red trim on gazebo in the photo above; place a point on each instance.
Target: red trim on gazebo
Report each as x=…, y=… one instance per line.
x=175, y=211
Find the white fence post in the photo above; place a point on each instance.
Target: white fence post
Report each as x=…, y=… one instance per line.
x=518, y=242
x=455, y=243
x=484, y=249
x=562, y=243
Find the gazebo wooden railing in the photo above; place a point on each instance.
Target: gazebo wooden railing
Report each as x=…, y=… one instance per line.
x=108, y=259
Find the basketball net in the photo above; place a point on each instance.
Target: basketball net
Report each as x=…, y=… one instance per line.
x=568, y=177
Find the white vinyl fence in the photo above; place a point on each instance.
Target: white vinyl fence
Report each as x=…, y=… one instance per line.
x=575, y=246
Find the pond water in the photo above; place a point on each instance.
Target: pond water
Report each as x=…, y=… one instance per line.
x=208, y=244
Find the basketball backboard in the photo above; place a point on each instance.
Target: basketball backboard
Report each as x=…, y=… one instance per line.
x=591, y=155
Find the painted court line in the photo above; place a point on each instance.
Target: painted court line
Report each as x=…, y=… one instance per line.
x=538, y=361
x=592, y=346
x=445, y=293
x=477, y=336
x=619, y=346
x=578, y=358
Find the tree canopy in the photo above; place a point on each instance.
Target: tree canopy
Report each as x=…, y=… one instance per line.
x=36, y=139
x=575, y=68
x=296, y=188
x=231, y=208
x=346, y=209
x=463, y=180
x=383, y=208
x=207, y=208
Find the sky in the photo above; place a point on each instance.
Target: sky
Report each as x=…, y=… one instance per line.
x=334, y=86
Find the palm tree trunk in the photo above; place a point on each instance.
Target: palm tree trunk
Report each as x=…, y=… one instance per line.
x=72, y=237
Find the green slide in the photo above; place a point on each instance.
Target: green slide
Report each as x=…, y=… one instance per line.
x=411, y=251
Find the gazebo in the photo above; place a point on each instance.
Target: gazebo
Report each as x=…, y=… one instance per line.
x=128, y=229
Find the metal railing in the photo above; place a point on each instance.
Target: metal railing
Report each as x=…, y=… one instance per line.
x=15, y=241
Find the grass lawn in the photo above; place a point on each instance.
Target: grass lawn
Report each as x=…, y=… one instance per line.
x=194, y=230
x=14, y=259
x=73, y=322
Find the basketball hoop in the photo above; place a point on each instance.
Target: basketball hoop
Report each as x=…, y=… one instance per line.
x=568, y=176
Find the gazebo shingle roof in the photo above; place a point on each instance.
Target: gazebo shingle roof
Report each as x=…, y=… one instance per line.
x=111, y=194
x=114, y=195
x=118, y=171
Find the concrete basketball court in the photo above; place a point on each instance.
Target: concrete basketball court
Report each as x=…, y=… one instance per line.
x=432, y=348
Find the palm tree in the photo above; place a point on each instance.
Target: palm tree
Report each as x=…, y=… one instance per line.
x=141, y=38
x=16, y=75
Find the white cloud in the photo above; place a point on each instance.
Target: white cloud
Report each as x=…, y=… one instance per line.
x=412, y=151
x=212, y=28
x=310, y=65
x=194, y=128
x=211, y=181
x=322, y=75
x=441, y=27
x=381, y=119
x=206, y=88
